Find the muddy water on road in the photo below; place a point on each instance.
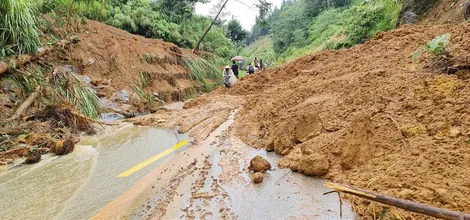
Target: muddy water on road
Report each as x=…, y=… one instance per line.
x=78, y=185
x=40, y=191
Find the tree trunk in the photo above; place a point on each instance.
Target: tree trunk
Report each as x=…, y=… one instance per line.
x=196, y=47
x=400, y=203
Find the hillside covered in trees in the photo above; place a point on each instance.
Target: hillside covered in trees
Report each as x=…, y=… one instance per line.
x=301, y=27
x=170, y=20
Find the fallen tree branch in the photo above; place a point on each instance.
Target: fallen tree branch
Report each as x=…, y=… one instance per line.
x=25, y=105
x=400, y=203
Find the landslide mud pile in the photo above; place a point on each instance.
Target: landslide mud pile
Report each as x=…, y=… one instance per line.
x=370, y=116
x=117, y=60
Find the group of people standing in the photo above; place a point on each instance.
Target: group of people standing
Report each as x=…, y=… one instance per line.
x=230, y=74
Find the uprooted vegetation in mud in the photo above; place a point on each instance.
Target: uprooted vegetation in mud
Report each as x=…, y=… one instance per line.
x=98, y=69
x=370, y=116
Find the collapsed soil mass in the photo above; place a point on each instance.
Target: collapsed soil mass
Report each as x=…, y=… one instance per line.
x=370, y=116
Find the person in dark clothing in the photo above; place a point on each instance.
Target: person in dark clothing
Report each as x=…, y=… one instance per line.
x=261, y=64
x=251, y=69
x=235, y=69
x=256, y=63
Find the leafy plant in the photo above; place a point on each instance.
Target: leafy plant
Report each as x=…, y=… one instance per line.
x=27, y=81
x=6, y=51
x=70, y=87
x=439, y=45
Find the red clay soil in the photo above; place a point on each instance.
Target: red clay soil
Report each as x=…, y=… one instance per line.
x=114, y=57
x=446, y=12
x=369, y=116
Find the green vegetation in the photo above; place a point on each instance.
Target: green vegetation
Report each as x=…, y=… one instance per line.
x=18, y=27
x=67, y=86
x=263, y=47
x=171, y=20
x=438, y=45
x=147, y=98
x=207, y=72
x=301, y=27
x=146, y=79
x=59, y=87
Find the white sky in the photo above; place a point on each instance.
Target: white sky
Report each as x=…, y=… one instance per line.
x=240, y=11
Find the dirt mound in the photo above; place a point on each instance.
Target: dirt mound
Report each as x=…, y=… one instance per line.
x=116, y=60
x=370, y=116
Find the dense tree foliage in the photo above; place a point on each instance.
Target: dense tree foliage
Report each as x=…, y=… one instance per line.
x=235, y=31
x=300, y=27
x=171, y=20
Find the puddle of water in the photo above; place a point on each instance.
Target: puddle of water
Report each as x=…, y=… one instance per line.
x=78, y=185
x=119, y=151
x=108, y=117
x=41, y=190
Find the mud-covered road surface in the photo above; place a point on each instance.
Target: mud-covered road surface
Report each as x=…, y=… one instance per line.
x=138, y=172
x=211, y=180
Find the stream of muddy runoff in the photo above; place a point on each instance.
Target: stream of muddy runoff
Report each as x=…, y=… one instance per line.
x=207, y=180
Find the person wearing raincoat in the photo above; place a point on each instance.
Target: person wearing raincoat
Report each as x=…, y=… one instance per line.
x=229, y=77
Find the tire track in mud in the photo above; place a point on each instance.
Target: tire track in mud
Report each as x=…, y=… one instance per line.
x=196, y=191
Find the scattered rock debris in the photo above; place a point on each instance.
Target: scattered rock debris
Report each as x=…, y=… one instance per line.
x=63, y=147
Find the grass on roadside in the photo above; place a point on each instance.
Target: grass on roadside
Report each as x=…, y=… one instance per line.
x=19, y=26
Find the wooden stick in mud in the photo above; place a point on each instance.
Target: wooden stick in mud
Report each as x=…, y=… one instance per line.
x=23, y=107
x=400, y=203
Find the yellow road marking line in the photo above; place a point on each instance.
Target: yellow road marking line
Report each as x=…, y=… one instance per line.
x=153, y=159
